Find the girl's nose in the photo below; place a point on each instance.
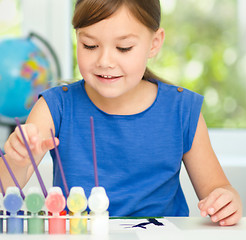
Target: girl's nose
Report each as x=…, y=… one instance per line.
x=105, y=59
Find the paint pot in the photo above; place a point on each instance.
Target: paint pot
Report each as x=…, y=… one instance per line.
x=98, y=201
x=34, y=200
x=55, y=203
x=34, y=203
x=15, y=223
x=78, y=224
x=13, y=202
x=35, y=223
x=57, y=223
x=77, y=203
x=99, y=223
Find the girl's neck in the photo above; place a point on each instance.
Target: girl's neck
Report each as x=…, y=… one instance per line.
x=135, y=101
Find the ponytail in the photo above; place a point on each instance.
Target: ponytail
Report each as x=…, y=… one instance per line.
x=148, y=75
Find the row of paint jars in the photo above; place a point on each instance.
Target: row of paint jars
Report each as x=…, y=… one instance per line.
x=52, y=207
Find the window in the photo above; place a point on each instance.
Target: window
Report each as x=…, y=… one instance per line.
x=202, y=52
x=10, y=18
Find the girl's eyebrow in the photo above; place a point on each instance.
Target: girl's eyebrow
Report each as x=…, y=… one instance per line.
x=131, y=35
x=123, y=37
x=84, y=34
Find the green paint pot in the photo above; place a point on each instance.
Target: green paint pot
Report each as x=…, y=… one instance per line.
x=34, y=200
x=35, y=224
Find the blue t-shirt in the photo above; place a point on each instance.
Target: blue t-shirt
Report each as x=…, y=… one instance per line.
x=139, y=156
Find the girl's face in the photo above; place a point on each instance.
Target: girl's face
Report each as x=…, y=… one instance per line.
x=112, y=54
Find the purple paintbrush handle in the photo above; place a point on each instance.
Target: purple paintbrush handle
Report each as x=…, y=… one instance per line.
x=60, y=164
x=94, y=151
x=1, y=187
x=32, y=159
x=12, y=174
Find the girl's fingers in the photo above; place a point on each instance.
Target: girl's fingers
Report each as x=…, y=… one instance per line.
x=48, y=144
x=30, y=132
x=231, y=220
x=19, y=159
x=223, y=200
x=17, y=146
x=10, y=148
x=225, y=212
x=223, y=206
x=12, y=152
x=201, y=203
x=206, y=204
x=16, y=149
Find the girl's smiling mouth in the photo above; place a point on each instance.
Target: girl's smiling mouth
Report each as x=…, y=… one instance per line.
x=108, y=78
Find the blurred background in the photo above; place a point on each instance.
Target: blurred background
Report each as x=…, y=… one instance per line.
x=204, y=50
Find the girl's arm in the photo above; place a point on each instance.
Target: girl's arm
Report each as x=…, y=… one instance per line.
x=218, y=198
x=37, y=133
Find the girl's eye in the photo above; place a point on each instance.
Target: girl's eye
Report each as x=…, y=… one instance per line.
x=90, y=47
x=121, y=49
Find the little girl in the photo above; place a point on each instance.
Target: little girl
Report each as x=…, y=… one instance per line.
x=144, y=127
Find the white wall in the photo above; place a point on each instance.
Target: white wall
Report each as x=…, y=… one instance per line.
x=52, y=20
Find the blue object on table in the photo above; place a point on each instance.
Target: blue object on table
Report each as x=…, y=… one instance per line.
x=12, y=203
x=15, y=225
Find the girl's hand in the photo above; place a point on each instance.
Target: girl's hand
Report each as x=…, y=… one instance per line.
x=16, y=149
x=223, y=205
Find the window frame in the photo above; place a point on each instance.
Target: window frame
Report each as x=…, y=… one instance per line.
x=242, y=24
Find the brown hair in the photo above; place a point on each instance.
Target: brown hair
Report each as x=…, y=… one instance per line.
x=88, y=12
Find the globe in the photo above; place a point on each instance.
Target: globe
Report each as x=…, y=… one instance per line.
x=24, y=72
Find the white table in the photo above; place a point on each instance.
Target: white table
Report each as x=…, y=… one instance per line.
x=202, y=228
x=174, y=229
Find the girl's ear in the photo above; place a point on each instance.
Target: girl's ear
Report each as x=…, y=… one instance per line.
x=157, y=42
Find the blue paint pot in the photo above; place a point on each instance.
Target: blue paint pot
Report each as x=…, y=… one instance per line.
x=12, y=200
x=15, y=225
